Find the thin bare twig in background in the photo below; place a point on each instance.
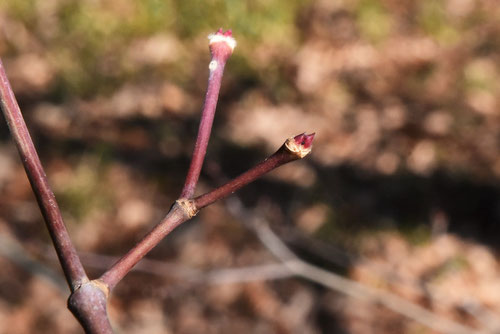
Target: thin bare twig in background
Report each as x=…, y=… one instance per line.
x=486, y=317
x=489, y=319
x=251, y=273
x=15, y=252
x=263, y=272
x=12, y=250
x=341, y=284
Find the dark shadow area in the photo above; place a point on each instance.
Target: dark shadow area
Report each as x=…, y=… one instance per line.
x=470, y=207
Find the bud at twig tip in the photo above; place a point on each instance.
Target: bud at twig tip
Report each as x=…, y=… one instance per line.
x=222, y=40
x=300, y=145
x=308, y=139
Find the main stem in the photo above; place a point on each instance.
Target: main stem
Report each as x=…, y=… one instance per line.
x=70, y=262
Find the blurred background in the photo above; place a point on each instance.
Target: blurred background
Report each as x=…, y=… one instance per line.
x=400, y=193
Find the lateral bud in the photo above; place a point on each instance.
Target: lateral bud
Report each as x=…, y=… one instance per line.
x=300, y=145
x=188, y=207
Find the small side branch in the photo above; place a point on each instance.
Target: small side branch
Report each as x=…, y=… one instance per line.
x=72, y=267
x=294, y=148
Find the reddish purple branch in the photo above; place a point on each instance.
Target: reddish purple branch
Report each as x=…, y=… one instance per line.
x=282, y=156
x=221, y=48
x=72, y=267
x=175, y=217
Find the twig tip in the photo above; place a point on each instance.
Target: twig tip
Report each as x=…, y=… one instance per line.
x=222, y=40
x=301, y=144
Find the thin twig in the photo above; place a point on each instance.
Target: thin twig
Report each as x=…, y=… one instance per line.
x=221, y=47
x=11, y=249
x=489, y=319
x=146, y=265
x=72, y=267
x=486, y=317
x=294, y=148
x=343, y=285
x=263, y=272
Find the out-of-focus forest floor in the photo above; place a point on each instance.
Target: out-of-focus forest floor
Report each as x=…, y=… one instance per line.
x=401, y=192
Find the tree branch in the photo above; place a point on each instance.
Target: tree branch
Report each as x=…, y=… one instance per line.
x=71, y=265
x=294, y=148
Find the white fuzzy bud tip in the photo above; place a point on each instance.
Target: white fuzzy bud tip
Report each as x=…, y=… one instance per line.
x=225, y=37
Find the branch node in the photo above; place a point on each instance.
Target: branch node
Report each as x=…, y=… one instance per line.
x=188, y=206
x=88, y=305
x=78, y=284
x=101, y=286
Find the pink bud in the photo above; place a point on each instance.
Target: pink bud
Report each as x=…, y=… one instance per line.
x=304, y=140
x=308, y=140
x=300, y=145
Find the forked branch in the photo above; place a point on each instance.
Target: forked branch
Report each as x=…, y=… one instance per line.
x=89, y=298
